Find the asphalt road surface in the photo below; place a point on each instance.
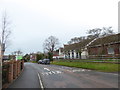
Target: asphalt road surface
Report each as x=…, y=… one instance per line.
x=54, y=76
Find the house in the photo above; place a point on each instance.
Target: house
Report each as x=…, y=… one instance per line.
x=6, y=57
x=77, y=50
x=105, y=47
x=58, y=54
x=33, y=57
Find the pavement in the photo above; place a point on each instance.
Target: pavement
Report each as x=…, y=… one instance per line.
x=54, y=76
x=27, y=79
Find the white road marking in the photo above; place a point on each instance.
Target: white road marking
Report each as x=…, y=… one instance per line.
x=47, y=69
x=58, y=71
x=40, y=81
x=69, y=70
x=88, y=70
x=83, y=69
x=43, y=74
x=51, y=72
x=73, y=70
x=115, y=74
x=78, y=70
x=47, y=73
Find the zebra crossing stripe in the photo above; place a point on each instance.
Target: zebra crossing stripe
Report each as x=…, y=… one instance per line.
x=53, y=72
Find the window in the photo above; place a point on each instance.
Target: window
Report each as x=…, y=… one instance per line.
x=110, y=50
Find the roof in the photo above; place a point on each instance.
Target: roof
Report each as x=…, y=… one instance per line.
x=61, y=48
x=115, y=38
x=77, y=46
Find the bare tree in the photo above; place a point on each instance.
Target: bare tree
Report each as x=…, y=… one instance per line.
x=50, y=44
x=4, y=33
x=76, y=40
x=92, y=34
x=18, y=52
x=98, y=32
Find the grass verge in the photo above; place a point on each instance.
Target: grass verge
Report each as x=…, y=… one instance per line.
x=33, y=61
x=104, y=67
x=79, y=60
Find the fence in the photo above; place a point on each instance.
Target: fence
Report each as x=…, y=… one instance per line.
x=114, y=56
x=10, y=71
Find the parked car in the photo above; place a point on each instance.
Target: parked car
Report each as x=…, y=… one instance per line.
x=44, y=61
x=40, y=62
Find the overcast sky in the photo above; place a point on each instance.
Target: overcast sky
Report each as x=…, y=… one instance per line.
x=32, y=21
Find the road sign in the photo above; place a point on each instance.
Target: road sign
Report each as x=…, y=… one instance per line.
x=19, y=57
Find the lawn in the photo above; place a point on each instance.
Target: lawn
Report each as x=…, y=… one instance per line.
x=104, y=67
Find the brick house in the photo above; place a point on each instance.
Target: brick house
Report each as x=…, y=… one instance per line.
x=105, y=47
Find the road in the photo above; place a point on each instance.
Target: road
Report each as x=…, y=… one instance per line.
x=54, y=76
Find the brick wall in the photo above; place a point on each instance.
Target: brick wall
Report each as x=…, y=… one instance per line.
x=13, y=70
x=102, y=51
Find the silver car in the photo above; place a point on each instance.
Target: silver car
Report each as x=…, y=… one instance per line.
x=46, y=61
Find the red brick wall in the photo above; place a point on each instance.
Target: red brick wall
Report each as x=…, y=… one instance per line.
x=95, y=52
x=116, y=48
x=10, y=72
x=14, y=69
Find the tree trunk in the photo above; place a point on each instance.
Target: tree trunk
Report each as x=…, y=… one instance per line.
x=1, y=55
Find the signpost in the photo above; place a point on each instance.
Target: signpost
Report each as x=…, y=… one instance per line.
x=20, y=57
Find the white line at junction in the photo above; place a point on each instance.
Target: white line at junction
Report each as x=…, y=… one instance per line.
x=40, y=81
